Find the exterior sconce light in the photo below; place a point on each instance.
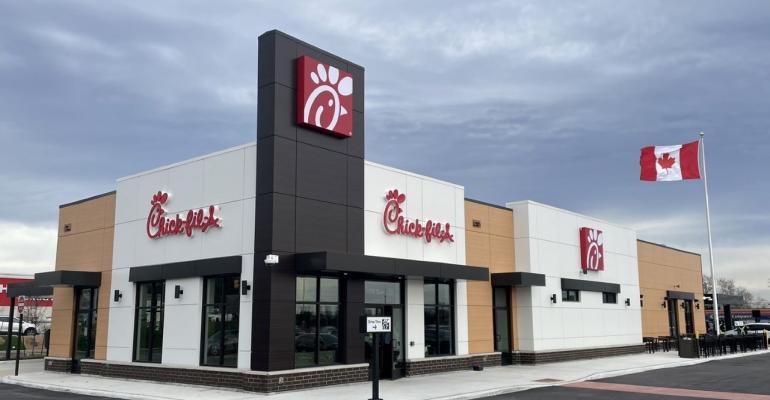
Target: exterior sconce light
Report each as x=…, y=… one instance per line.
x=116, y=296
x=663, y=304
x=178, y=292
x=628, y=301
x=553, y=298
x=245, y=287
x=641, y=300
x=683, y=306
x=697, y=305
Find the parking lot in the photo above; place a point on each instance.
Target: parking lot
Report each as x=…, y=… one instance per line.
x=738, y=378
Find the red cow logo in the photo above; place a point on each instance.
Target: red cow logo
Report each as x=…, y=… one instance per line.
x=324, y=97
x=592, y=249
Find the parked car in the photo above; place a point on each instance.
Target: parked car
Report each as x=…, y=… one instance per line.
x=750, y=328
x=26, y=327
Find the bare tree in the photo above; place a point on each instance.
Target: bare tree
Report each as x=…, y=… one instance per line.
x=707, y=286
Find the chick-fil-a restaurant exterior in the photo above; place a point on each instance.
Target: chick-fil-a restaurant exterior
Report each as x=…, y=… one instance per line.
x=250, y=267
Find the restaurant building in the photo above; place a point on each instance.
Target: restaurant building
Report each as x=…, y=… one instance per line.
x=250, y=267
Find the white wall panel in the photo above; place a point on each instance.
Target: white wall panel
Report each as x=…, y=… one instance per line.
x=227, y=180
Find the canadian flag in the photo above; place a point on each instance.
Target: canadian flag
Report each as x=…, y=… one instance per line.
x=670, y=163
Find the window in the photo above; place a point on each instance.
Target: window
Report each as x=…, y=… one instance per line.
x=317, y=321
x=502, y=326
x=221, y=304
x=609, y=298
x=148, y=330
x=439, y=313
x=378, y=292
x=570, y=295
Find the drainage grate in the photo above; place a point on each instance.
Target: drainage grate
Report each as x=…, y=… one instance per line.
x=547, y=380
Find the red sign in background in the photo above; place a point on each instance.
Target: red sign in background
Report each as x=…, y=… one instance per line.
x=5, y=301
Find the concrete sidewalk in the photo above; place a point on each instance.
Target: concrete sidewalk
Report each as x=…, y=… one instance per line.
x=454, y=385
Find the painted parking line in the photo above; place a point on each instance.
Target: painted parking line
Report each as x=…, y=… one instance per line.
x=665, y=391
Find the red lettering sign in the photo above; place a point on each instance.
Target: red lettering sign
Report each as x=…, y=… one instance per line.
x=592, y=249
x=158, y=225
x=396, y=224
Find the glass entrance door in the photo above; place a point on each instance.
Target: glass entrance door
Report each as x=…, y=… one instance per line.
x=688, y=318
x=85, y=325
x=384, y=299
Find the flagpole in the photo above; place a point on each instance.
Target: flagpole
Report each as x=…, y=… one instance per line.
x=711, y=246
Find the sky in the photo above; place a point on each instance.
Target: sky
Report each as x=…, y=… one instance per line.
x=540, y=100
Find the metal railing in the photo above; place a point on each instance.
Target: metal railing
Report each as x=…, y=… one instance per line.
x=32, y=346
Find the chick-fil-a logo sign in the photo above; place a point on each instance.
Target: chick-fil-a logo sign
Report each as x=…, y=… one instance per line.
x=592, y=249
x=395, y=223
x=324, y=97
x=158, y=225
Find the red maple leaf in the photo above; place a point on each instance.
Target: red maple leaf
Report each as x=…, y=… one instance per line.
x=666, y=161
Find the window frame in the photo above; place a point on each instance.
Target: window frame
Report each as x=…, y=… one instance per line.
x=565, y=296
x=614, y=298
x=318, y=304
x=153, y=310
x=223, y=307
x=436, y=306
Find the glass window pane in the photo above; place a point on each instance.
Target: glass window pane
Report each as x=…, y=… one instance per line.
x=431, y=341
x=142, y=347
x=328, y=336
x=230, y=352
x=157, y=337
x=330, y=292
x=444, y=295
x=145, y=294
x=502, y=342
x=232, y=290
x=214, y=290
x=501, y=297
x=445, y=330
x=306, y=289
x=212, y=334
x=85, y=299
x=382, y=292
x=429, y=293
x=304, y=335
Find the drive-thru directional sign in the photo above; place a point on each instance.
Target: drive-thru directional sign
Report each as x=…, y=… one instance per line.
x=378, y=324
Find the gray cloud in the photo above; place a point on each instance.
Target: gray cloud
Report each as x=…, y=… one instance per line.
x=544, y=100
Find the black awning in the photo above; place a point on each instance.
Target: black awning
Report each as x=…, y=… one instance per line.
x=680, y=295
x=68, y=278
x=29, y=289
x=589, y=286
x=186, y=269
x=518, y=279
x=356, y=263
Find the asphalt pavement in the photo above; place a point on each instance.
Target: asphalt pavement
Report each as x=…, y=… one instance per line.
x=724, y=379
x=16, y=392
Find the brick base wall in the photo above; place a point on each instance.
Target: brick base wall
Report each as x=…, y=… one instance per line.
x=249, y=381
x=568, y=355
x=58, y=364
x=458, y=363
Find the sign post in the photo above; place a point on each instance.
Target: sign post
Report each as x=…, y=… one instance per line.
x=18, y=343
x=375, y=326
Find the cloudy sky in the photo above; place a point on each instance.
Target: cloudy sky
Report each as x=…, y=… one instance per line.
x=540, y=100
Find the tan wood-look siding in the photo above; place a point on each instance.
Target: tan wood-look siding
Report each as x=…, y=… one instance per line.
x=491, y=246
x=87, y=247
x=662, y=269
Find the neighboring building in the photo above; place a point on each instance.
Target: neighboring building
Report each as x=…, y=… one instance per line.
x=250, y=267
x=37, y=310
x=672, y=292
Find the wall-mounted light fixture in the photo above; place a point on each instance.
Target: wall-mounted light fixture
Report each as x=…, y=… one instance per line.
x=697, y=304
x=628, y=301
x=641, y=300
x=178, y=292
x=116, y=296
x=553, y=298
x=245, y=287
x=663, y=304
x=684, y=306
x=476, y=223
